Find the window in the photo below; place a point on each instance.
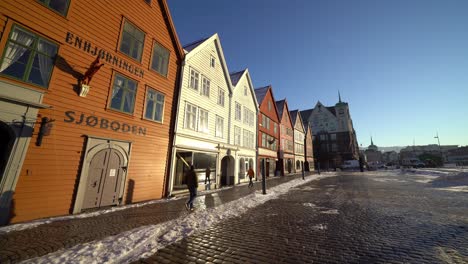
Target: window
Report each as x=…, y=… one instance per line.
x=212, y=62
x=148, y=2
x=154, y=105
x=334, y=147
x=275, y=128
x=194, y=78
x=203, y=121
x=238, y=115
x=219, y=126
x=245, y=90
x=132, y=41
x=269, y=105
x=220, y=96
x=190, y=117
x=246, y=115
x=264, y=140
x=323, y=137
x=28, y=57
x=251, y=140
x=60, y=6
x=246, y=138
x=205, y=87
x=333, y=137
x=237, y=136
x=160, y=59
x=123, y=94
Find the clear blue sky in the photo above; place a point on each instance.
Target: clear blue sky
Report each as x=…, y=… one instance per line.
x=401, y=65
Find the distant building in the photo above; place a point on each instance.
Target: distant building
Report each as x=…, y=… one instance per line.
x=458, y=156
x=413, y=152
x=334, y=137
x=390, y=157
x=373, y=154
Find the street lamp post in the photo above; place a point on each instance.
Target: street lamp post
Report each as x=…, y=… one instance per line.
x=440, y=149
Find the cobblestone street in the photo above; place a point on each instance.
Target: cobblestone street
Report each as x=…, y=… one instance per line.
x=352, y=218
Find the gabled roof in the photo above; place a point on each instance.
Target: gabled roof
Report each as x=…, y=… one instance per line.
x=189, y=47
x=235, y=77
x=260, y=93
x=294, y=116
x=175, y=38
x=280, y=105
x=194, y=47
x=306, y=115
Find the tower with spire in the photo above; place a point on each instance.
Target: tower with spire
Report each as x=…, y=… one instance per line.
x=334, y=135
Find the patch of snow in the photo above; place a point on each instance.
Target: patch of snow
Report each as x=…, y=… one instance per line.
x=331, y=211
x=147, y=240
x=455, y=189
x=320, y=227
x=388, y=180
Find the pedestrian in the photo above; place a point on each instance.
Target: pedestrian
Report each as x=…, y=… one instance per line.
x=251, y=174
x=207, y=178
x=192, y=185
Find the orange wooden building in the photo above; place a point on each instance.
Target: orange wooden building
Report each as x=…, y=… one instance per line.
x=268, y=131
x=77, y=132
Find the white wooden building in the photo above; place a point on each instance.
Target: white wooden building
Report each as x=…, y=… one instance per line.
x=201, y=133
x=243, y=128
x=299, y=137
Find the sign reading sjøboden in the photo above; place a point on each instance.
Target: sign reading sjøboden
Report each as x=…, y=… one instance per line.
x=102, y=123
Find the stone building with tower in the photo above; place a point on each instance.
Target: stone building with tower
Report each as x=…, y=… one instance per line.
x=334, y=137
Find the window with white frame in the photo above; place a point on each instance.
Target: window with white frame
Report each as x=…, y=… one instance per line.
x=61, y=6
x=251, y=140
x=212, y=61
x=237, y=136
x=333, y=137
x=202, y=120
x=219, y=126
x=123, y=94
x=269, y=105
x=238, y=114
x=191, y=116
x=246, y=115
x=194, y=79
x=264, y=140
x=245, y=90
x=154, y=105
x=275, y=128
x=205, y=86
x=221, y=96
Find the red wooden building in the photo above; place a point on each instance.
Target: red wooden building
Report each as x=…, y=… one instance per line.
x=268, y=131
x=286, y=151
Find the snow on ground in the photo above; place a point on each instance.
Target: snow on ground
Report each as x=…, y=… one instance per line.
x=146, y=240
x=455, y=189
x=34, y=223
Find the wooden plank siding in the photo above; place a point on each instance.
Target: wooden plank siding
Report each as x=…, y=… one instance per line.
x=50, y=173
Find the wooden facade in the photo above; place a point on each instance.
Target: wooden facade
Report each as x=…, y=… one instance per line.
x=268, y=131
x=299, y=132
x=286, y=151
x=309, y=148
x=66, y=133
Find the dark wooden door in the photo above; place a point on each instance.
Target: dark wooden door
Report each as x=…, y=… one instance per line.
x=104, y=177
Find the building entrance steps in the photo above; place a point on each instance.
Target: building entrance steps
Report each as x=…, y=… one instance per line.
x=21, y=241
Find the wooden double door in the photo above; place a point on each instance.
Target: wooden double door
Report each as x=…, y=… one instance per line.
x=105, y=173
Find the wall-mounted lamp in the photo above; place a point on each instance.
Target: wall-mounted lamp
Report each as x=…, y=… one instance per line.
x=44, y=129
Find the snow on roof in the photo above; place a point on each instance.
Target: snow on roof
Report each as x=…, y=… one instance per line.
x=260, y=93
x=235, y=77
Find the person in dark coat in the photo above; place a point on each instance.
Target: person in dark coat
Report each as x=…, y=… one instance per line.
x=192, y=185
x=207, y=178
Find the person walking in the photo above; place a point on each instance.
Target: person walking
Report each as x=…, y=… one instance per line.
x=207, y=179
x=251, y=174
x=192, y=185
